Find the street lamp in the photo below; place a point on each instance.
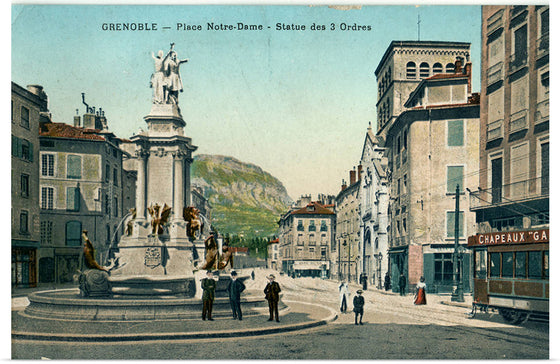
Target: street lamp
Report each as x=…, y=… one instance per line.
x=457, y=294
x=380, y=258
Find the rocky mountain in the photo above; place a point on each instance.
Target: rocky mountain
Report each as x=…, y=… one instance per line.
x=244, y=198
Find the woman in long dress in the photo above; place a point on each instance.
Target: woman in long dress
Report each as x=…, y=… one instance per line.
x=420, y=297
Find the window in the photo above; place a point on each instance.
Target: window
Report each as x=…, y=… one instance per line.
x=404, y=225
x=26, y=150
x=443, y=267
x=116, y=206
x=47, y=198
x=494, y=264
x=437, y=68
x=312, y=225
x=454, y=178
x=47, y=165
x=455, y=133
x=115, y=177
x=73, y=198
x=520, y=45
x=450, y=68
x=107, y=173
x=424, y=70
x=107, y=205
x=451, y=224
x=24, y=117
x=312, y=239
x=108, y=230
x=46, y=232
x=535, y=265
x=300, y=225
x=496, y=182
x=24, y=222
x=411, y=70
x=480, y=264
x=74, y=167
x=521, y=265
x=323, y=225
x=300, y=239
x=73, y=233
x=25, y=185
x=507, y=264
x=545, y=264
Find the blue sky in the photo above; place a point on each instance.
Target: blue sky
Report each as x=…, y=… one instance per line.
x=295, y=103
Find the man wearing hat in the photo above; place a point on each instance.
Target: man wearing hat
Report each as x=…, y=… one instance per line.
x=271, y=292
x=208, y=288
x=234, y=289
x=358, y=306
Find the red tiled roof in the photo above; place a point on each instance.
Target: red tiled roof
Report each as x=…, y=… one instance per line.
x=439, y=76
x=318, y=209
x=277, y=240
x=62, y=130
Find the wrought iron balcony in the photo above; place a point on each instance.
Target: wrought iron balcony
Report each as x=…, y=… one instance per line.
x=511, y=193
x=518, y=121
x=542, y=46
x=495, y=130
x=517, y=61
x=495, y=22
x=495, y=73
x=542, y=113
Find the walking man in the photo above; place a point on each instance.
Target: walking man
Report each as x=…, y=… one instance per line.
x=234, y=289
x=208, y=288
x=358, y=307
x=272, y=291
x=402, y=284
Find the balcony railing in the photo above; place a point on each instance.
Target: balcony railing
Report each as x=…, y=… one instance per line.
x=542, y=113
x=517, y=61
x=542, y=46
x=495, y=73
x=495, y=130
x=510, y=193
x=518, y=121
x=495, y=22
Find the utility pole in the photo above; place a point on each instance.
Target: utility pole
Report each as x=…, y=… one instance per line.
x=339, y=273
x=457, y=294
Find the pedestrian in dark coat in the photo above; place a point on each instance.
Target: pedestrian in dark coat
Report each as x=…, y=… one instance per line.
x=234, y=289
x=358, y=306
x=272, y=294
x=208, y=288
x=402, y=284
x=387, y=281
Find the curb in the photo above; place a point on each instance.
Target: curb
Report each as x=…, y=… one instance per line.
x=178, y=335
x=456, y=304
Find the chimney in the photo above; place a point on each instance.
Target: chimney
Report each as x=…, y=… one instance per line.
x=359, y=172
x=77, y=121
x=459, y=65
x=468, y=73
x=343, y=187
x=353, y=176
x=89, y=121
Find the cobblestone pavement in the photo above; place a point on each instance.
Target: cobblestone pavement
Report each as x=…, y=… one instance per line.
x=393, y=329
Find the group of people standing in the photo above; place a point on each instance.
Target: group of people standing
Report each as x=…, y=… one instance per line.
x=234, y=289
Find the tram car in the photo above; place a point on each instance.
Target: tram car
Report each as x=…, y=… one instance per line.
x=511, y=274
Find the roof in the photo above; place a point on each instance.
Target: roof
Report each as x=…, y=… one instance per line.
x=62, y=130
x=436, y=77
x=313, y=208
x=275, y=241
x=422, y=43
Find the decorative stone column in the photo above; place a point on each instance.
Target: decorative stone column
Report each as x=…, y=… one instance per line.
x=178, y=167
x=141, y=154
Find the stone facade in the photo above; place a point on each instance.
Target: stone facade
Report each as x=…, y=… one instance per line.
x=272, y=255
x=433, y=147
x=306, y=240
x=83, y=187
x=29, y=107
x=374, y=199
x=348, y=252
x=403, y=66
x=514, y=120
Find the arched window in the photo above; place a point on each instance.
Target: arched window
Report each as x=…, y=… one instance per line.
x=437, y=68
x=450, y=68
x=73, y=233
x=411, y=70
x=424, y=70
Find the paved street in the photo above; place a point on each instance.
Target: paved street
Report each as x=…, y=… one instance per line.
x=394, y=329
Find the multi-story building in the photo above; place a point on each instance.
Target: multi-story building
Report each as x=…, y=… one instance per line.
x=346, y=256
x=374, y=199
x=403, y=66
x=272, y=254
x=433, y=148
x=306, y=236
x=29, y=107
x=513, y=192
x=82, y=187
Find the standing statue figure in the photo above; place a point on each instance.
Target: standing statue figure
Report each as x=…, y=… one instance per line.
x=158, y=80
x=211, y=253
x=226, y=258
x=194, y=224
x=174, y=84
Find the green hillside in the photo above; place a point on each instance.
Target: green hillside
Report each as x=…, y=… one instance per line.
x=245, y=199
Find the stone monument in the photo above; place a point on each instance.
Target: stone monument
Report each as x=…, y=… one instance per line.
x=159, y=260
